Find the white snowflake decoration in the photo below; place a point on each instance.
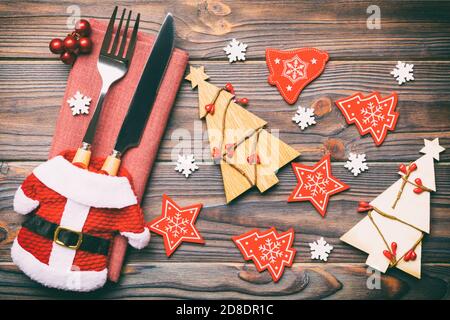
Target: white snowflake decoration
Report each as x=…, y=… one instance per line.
x=403, y=72
x=177, y=225
x=270, y=251
x=186, y=164
x=317, y=184
x=356, y=163
x=79, y=103
x=304, y=117
x=320, y=249
x=235, y=50
x=372, y=114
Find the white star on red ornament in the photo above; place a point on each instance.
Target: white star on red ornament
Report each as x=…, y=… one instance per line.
x=316, y=184
x=176, y=224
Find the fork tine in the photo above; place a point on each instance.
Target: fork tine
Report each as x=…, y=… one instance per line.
x=124, y=37
x=109, y=31
x=133, y=38
x=117, y=36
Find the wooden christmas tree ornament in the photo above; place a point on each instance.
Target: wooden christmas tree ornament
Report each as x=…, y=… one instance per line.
x=248, y=154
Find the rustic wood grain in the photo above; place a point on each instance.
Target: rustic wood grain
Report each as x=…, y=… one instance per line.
x=30, y=104
x=410, y=29
x=242, y=281
x=218, y=222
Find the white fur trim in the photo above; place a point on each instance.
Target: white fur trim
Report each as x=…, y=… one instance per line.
x=138, y=240
x=67, y=280
x=85, y=187
x=24, y=204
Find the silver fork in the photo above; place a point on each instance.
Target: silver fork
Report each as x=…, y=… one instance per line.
x=112, y=67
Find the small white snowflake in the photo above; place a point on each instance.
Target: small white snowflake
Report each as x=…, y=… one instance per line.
x=403, y=72
x=186, y=164
x=79, y=103
x=304, y=117
x=356, y=163
x=235, y=50
x=320, y=249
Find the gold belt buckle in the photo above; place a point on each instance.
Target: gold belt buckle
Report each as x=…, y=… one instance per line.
x=57, y=241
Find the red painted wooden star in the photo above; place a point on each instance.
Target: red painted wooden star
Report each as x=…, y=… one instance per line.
x=268, y=250
x=316, y=184
x=176, y=224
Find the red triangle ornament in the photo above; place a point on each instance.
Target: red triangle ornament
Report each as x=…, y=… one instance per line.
x=371, y=114
x=268, y=250
x=291, y=71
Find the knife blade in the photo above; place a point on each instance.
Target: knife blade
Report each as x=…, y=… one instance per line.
x=135, y=121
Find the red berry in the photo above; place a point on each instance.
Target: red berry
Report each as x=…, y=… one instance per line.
x=394, y=248
x=83, y=28
x=243, y=101
x=85, y=45
x=229, y=87
x=413, y=256
x=418, y=190
x=70, y=43
x=418, y=181
x=56, y=46
x=412, y=167
x=402, y=168
x=210, y=108
x=68, y=57
x=388, y=255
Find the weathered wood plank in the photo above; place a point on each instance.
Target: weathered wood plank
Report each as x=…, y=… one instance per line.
x=30, y=102
x=242, y=281
x=218, y=222
x=410, y=29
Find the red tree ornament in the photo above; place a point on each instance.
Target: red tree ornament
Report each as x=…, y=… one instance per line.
x=176, y=224
x=316, y=184
x=268, y=250
x=291, y=71
x=371, y=114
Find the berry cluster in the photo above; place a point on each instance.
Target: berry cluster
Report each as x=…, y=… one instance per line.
x=76, y=42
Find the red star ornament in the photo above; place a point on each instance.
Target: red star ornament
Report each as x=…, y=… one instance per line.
x=316, y=184
x=176, y=224
x=291, y=71
x=372, y=114
x=268, y=250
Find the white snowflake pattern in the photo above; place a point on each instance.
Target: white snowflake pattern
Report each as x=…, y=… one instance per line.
x=235, y=50
x=320, y=249
x=186, y=164
x=403, y=72
x=177, y=225
x=79, y=103
x=295, y=69
x=304, y=117
x=317, y=184
x=372, y=114
x=356, y=163
x=270, y=251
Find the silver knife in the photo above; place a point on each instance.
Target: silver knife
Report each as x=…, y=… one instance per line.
x=142, y=103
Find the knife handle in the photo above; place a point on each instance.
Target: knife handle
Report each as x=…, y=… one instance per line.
x=112, y=163
x=83, y=155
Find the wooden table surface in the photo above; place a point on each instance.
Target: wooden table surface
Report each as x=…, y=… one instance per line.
x=32, y=84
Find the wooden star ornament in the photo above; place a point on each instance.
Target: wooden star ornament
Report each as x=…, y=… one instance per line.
x=316, y=184
x=176, y=224
x=196, y=75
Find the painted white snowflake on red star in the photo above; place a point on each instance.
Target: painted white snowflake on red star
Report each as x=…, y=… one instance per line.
x=176, y=224
x=268, y=250
x=316, y=184
x=371, y=114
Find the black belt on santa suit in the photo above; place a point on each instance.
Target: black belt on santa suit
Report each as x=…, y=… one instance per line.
x=67, y=238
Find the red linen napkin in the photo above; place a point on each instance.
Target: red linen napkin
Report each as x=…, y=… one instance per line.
x=85, y=78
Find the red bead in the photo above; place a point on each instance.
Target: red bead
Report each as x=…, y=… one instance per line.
x=418, y=181
x=364, y=204
x=388, y=255
x=70, y=43
x=85, y=45
x=412, y=167
x=402, y=168
x=68, y=57
x=210, y=108
x=418, y=190
x=56, y=46
x=243, y=101
x=83, y=27
x=394, y=248
x=229, y=87
x=407, y=256
x=216, y=153
x=413, y=255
